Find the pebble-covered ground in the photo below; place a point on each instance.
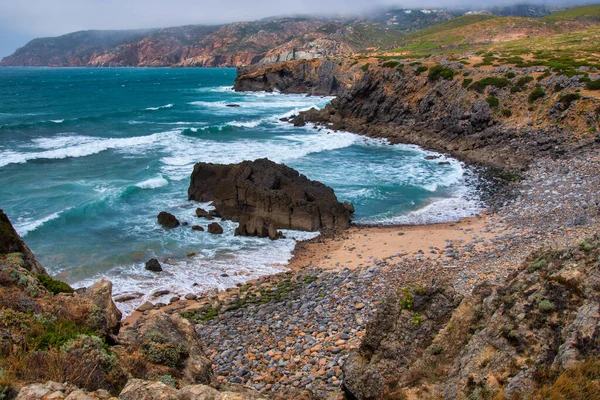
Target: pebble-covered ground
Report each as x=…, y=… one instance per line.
x=300, y=333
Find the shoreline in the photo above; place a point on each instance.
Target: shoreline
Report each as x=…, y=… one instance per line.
x=333, y=251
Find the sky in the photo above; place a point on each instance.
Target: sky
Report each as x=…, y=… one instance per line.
x=23, y=20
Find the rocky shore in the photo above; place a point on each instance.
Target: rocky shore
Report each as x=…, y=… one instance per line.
x=295, y=331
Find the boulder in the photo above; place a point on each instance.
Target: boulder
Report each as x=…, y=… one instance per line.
x=201, y=212
x=167, y=220
x=261, y=193
x=109, y=317
x=197, y=392
x=153, y=265
x=137, y=389
x=197, y=228
x=215, y=228
x=162, y=331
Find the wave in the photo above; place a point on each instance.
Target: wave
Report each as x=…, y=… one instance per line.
x=74, y=146
x=153, y=183
x=185, y=153
x=158, y=108
x=23, y=228
x=57, y=121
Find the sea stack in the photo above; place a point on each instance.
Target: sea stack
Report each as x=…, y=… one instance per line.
x=263, y=195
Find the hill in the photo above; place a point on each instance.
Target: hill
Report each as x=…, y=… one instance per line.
x=240, y=43
x=478, y=31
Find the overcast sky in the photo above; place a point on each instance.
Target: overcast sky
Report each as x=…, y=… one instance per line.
x=23, y=20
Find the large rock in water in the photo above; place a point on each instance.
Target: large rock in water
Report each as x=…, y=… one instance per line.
x=262, y=194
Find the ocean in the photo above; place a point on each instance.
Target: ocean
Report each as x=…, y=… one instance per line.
x=90, y=156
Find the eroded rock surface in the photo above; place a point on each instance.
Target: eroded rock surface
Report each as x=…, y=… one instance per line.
x=264, y=196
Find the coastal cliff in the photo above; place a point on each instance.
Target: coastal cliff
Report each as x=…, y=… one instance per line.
x=486, y=116
x=236, y=44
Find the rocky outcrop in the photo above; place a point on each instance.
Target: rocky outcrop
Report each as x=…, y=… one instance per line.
x=108, y=317
x=263, y=195
x=312, y=77
x=514, y=337
x=169, y=339
x=11, y=242
x=438, y=114
x=167, y=220
x=153, y=264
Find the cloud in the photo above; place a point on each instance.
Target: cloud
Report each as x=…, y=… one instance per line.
x=20, y=19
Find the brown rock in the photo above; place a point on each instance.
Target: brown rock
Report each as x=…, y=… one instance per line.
x=197, y=228
x=260, y=194
x=100, y=294
x=167, y=220
x=215, y=228
x=153, y=265
x=137, y=389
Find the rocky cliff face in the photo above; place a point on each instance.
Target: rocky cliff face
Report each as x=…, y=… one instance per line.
x=478, y=122
x=264, y=196
x=236, y=44
x=519, y=338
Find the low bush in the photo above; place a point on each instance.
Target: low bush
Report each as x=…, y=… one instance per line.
x=466, y=82
x=536, y=94
x=493, y=102
x=593, y=85
x=480, y=86
x=420, y=69
x=390, y=64
x=365, y=67
x=54, y=286
x=510, y=75
x=437, y=72
x=567, y=99
x=524, y=81
x=506, y=113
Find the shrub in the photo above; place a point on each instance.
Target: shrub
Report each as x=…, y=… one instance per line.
x=158, y=350
x=493, y=101
x=593, y=85
x=546, y=306
x=515, y=89
x=54, y=286
x=480, y=86
x=510, y=75
x=420, y=69
x=567, y=99
x=466, y=82
x=390, y=64
x=558, y=88
x=536, y=94
x=437, y=72
x=436, y=349
x=365, y=67
x=544, y=75
x=407, y=300
x=507, y=113
x=524, y=81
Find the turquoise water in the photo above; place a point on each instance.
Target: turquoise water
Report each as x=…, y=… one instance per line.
x=89, y=157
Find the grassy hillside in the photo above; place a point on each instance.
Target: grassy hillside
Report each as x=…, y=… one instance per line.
x=475, y=32
x=585, y=12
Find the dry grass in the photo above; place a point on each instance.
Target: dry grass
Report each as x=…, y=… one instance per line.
x=579, y=382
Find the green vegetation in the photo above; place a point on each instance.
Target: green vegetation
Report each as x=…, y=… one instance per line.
x=158, y=350
x=54, y=286
x=584, y=12
x=365, y=67
x=407, y=300
x=593, y=85
x=480, y=86
x=420, y=69
x=417, y=318
x=466, y=82
x=536, y=94
x=546, y=306
x=578, y=382
x=510, y=75
x=390, y=64
x=438, y=71
x=537, y=265
x=567, y=99
x=585, y=246
x=523, y=81
x=493, y=102
x=506, y=113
